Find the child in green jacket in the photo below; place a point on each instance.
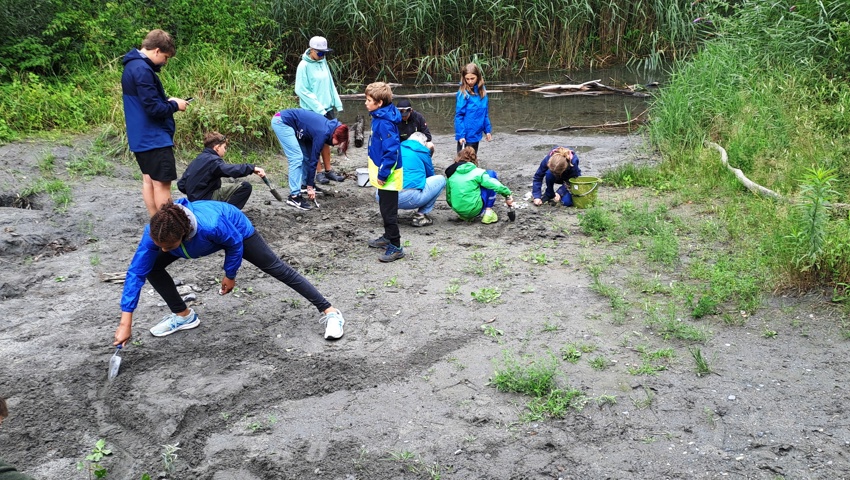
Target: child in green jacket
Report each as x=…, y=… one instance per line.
x=471, y=191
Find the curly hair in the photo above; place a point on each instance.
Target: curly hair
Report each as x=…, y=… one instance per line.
x=170, y=224
x=467, y=154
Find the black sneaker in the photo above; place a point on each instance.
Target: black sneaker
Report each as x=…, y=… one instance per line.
x=334, y=176
x=298, y=203
x=322, y=178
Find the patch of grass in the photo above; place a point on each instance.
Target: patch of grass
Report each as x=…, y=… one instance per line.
x=595, y=221
x=531, y=376
x=47, y=164
x=91, y=166
x=664, y=246
x=556, y=404
x=572, y=352
x=702, y=367
x=768, y=333
x=492, y=331
x=435, y=252
x=58, y=190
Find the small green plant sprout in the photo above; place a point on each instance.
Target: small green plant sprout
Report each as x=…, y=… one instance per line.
x=534, y=376
x=550, y=327
x=486, y=295
x=768, y=333
x=702, y=367
x=646, y=401
x=60, y=278
x=435, y=252
x=603, y=400
x=528, y=289
x=556, y=404
x=366, y=292
x=137, y=343
x=710, y=419
x=92, y=462
x=572, y=352
x=392, y=282
x=169, y=456
x=539, y=258
x=492, y=331
x=599, y=363
x=402, y=456
x=405, y=243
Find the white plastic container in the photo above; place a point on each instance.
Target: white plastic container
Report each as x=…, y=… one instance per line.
x=363, y=177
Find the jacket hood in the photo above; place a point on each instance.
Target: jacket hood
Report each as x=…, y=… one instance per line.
x=306, y=57
x=465, y=167
x=416, y=147
x=135, y=54
x=388, y=112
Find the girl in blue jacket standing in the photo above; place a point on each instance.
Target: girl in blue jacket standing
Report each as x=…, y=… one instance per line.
x=192, y=230
x=472, y=115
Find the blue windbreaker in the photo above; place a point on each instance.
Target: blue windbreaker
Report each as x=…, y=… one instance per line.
x=219, y=226
x=313, y=131
x=148, y=114
x=472, y=116
x=383, y=148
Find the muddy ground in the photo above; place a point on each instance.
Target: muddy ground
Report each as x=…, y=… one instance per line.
x=256, y=393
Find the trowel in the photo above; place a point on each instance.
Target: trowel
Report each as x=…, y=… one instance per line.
x=114, y=363
x=274, y=192
x=511, y=213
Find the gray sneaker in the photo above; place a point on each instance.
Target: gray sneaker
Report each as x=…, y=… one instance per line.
x=379, y=242
x=322, y=178
x=333, y=325
x=334, y=176
x=172, y=323
x=392, y=254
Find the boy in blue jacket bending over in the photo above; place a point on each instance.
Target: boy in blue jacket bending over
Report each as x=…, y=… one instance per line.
x=202, y=179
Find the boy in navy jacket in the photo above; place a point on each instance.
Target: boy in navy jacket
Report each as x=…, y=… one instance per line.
x=558, y=166
x=149, y=116
x=202, y=179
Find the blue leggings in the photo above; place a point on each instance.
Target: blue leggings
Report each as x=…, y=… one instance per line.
x=488, y=196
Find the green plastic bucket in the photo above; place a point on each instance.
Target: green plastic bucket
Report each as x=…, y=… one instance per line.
x=583, y=190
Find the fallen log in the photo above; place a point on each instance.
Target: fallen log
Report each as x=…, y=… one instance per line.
x=361, y=96
x=358, y=132
x=635, y=120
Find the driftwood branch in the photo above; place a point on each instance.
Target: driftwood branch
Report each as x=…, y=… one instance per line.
x=592, y=87
x=636, y=120
x=756, y=188
x=358, y=132
x=751, y=185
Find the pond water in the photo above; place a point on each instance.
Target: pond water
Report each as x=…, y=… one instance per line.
x=517, y=107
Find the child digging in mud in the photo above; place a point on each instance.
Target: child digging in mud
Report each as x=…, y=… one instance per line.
x=191, y=230
x=471, y=191
x=557, y=167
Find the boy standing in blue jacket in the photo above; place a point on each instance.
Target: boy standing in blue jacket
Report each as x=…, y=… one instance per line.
x=149, y=116
x=385, y=168
x=557, y=167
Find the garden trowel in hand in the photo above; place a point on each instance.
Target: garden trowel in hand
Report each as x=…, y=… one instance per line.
x=114, y=363
x=274, y=192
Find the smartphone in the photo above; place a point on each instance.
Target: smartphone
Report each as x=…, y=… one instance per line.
x=189, y=100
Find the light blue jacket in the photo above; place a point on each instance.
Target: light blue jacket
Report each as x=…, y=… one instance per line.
x=314, y=85
x=218, y=226
x=416, y=159
x=472, y=116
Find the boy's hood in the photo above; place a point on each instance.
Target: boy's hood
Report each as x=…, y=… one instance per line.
x=135, y=54
x=388, y=112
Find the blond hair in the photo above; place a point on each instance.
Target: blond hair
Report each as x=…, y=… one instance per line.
x=560, y=160
x=380, y=92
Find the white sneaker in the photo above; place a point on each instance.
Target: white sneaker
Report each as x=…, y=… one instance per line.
x=334, y=323
x=173, y=322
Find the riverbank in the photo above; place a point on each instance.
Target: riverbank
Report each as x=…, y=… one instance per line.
x=256, y=393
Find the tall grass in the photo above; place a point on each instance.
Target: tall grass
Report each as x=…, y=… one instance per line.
x=770, y=87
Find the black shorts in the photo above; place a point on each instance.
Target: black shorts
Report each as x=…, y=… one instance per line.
x=158, y=163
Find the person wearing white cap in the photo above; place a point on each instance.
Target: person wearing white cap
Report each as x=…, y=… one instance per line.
x=315, y=88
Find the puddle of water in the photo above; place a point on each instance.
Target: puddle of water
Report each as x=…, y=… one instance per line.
x=517, y=108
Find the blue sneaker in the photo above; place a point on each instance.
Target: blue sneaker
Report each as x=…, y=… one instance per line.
x=173, y=322
x=333, y=325
x=392, y=254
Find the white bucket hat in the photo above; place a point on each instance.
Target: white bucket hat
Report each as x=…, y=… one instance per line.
x=320, y=44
